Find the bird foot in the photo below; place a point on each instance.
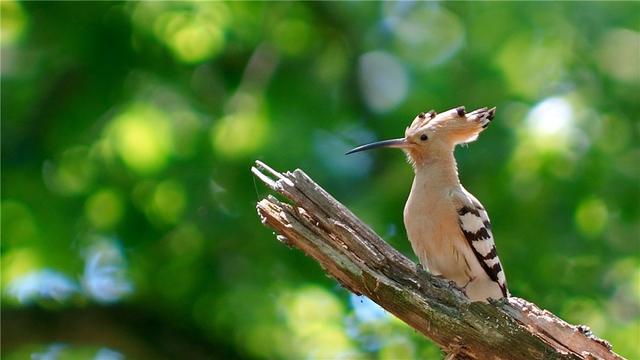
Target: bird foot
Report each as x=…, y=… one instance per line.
x=420, y=269
x=464, y=287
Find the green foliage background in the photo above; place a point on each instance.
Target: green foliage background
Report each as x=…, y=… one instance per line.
x=128, y=130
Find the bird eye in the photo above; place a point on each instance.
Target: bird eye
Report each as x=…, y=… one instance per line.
x=424, y=137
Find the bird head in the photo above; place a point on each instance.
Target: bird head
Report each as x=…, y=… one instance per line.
x=431, y=134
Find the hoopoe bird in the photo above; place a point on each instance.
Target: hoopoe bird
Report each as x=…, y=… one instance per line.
x=448, y=228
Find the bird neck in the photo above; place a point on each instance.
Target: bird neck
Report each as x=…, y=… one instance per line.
x=438, y=170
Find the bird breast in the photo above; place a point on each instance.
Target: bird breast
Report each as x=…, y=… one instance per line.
x=430, y=219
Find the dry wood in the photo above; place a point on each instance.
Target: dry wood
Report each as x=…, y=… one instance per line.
x=349, y=251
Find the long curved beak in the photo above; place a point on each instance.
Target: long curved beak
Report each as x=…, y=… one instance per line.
x=393, y=143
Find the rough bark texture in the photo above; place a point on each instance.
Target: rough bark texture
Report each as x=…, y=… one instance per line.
x=349, y=251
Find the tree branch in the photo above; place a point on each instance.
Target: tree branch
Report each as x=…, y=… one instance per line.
x=349, y=251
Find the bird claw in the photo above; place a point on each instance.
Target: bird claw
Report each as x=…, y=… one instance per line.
x=420, y=269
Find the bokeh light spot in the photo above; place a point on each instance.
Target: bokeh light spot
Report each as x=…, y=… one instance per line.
x=277, y=343
x=108, y=354
x=243, y=131
x=551, y=140
x=104, y=208
x=14, y=22
x=169, y=201
x=104, y=277
x=42, y=285
x=624, y=275
x=550, y=124
x=292, y=36
x=591, y=217
x=52, y=352
x=398, y=348
x=618, y=55
x=19, y=227
x=195, y=42
x=426, y=35
x=315, y=318
x=141, y=136
x=332, y=64
x=366, y=310
x=552, y=116
x=74, y=351
x=529, y=67
x=330, y=147
x=585, y=311
x=383, y=80
x=194, y=32
x=72, y=174
x=18, y=262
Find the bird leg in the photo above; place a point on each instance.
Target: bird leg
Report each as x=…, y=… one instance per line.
x=464, y=287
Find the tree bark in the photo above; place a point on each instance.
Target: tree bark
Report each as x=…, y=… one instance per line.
x=349, y=251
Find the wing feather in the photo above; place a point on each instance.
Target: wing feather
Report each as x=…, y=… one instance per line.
x=476, y=227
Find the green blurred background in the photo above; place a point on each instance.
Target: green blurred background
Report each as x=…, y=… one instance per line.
x=129, y=227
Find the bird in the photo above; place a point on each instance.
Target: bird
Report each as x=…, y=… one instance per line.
x=448, y=228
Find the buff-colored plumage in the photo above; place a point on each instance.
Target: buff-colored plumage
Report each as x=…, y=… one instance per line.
x=448, y=228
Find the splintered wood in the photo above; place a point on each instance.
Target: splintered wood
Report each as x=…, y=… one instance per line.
x=353, y=254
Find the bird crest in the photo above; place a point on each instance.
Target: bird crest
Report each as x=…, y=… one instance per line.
x=421, y=120
x=455, y=125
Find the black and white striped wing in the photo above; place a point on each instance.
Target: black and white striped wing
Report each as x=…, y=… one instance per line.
x=475, y=225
